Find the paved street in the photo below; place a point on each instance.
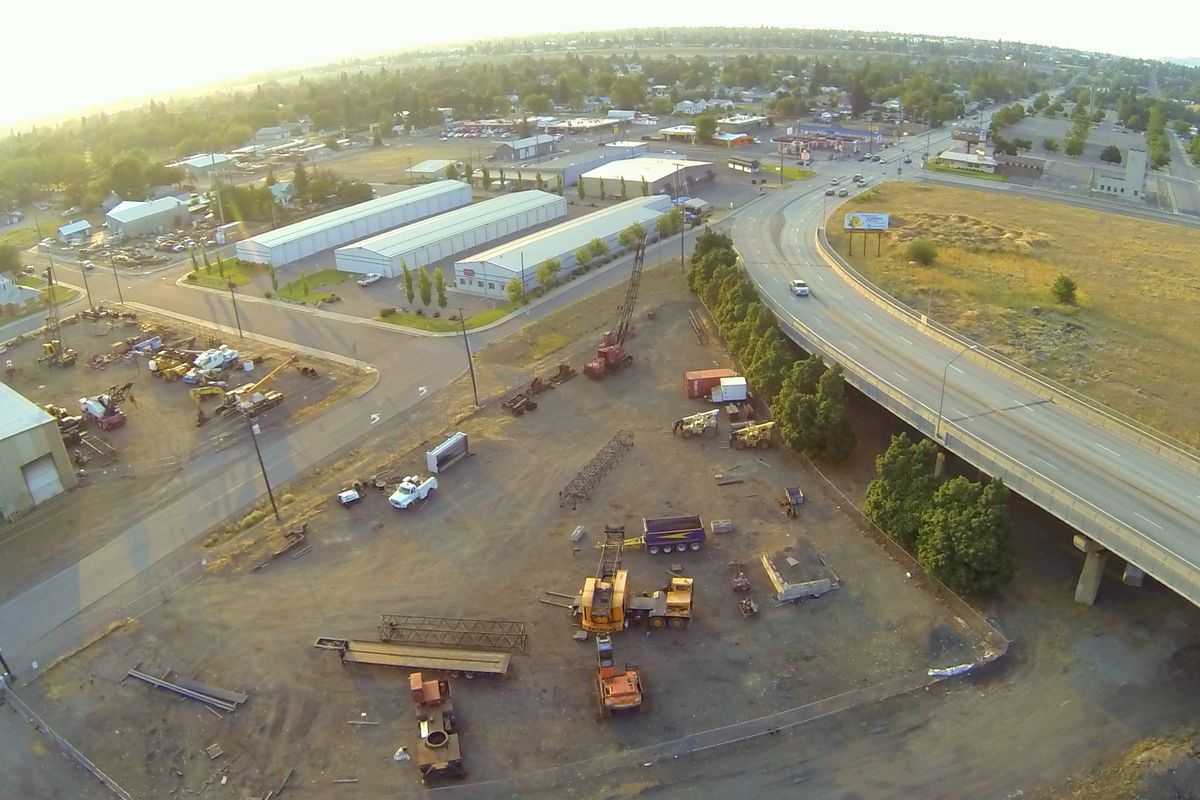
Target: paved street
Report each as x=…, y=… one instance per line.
x=1155, y=499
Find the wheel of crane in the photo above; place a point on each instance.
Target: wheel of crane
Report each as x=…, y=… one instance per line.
x=658, y=622
x=739, y=444
x=687, y=433
x=678, y=622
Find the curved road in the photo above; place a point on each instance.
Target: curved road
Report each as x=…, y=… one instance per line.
x=1153, y=499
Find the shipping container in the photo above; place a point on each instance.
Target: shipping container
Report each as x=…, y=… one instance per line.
x=700, y=383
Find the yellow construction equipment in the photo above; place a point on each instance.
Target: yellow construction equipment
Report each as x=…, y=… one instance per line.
x=751, y=436
x=605, y=602
x=253, y=398
x=53, y=352
x=697, y=424
x=198, y=395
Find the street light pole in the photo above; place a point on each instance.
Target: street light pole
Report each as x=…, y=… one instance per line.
x=236, y=318
x=86, y=288
x=470, y=361
x=941, y=401
x=254, y=431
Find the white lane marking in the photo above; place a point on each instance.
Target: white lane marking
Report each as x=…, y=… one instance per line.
x=1047, y=463
x=909, y=341
x=1106, y=449
x=959, y=411
x=868, y=316
x=898, y=375
x=839, y=296
x=821, y=278
x=956, y=369
x=1147, y=519
x=852, y=344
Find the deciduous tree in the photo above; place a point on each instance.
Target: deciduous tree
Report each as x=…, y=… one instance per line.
x=408, y=282
x=964, y=540
x=424, y=286
x=902, y=490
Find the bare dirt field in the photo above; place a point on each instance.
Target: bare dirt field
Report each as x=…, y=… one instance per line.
x=151, y=448
x=1130, y=341
x=491, y=540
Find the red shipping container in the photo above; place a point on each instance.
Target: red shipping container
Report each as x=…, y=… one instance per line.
x=700, y=382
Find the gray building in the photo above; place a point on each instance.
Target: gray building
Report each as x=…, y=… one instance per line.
x=431, y=240
x=537, y=146
x=34, y=466
x=489, y=272
x=569, y=168
x=1132, y=184
x=132, y=218
x=661, y=176
x=336, y=228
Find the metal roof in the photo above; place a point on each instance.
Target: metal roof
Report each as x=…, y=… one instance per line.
x=569, y=236
x=431, y=165
x=18, y=414
x=333, y=219
x=75, y=227
x=529, y=141
x=638, y=169
x=206, y=160
x=130, y=211
x=419, y=234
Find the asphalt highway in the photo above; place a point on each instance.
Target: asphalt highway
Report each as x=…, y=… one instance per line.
x=1157, y=501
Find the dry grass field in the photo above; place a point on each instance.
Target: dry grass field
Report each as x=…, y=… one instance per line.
x=1130, y=342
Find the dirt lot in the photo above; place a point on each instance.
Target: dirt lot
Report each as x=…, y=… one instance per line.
x=487, y=545
x=150, y=449
x=1129, y=342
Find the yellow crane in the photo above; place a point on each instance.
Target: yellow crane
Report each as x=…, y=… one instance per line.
x=752, y=436
x=253, y=398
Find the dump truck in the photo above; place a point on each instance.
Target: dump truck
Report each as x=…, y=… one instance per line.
x=671, y=534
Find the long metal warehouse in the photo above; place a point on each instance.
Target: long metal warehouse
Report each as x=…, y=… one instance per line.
x=489, y=272
x=346, y=225
x=448, y=234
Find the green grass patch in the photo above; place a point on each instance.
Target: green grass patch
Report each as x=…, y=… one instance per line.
x=240, y=272
x=309, y=288
x=790, y=173
x=30, y=281
x=21, y=238
x=426, y=323
x=986, y=176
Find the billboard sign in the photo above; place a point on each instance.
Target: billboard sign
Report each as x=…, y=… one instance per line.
x=866, y=222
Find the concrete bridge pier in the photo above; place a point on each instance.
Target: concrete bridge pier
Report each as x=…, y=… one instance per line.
x=1093, y=570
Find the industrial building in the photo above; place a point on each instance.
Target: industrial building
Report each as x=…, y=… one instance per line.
x=78, y=230
x=628, y=149
x=536, y=146
x=488, y=273
x=661, y=175
x=454, y=232
x=568, y=168
x=133, y=218
x=969, y=161
x=740, y=123
x=1131, y=185
x=208, y=166
x=431, y=169
x=337, y=228
x=34, y=466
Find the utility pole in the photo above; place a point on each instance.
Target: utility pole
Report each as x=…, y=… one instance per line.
x=254, y=432
x=116, y=279
x=470, y=361
x=236, y=318
x=86, y=288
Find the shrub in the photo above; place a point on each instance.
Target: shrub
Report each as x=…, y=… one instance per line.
x=922, y=251
x=191, y=277
x=268, y=294
x=1063, y=290
x=387, y=311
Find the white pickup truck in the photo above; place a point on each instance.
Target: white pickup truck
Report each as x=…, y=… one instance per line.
x=412, y=489
x=369, y=278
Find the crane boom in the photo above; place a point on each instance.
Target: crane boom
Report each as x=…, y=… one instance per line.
x=625, y=315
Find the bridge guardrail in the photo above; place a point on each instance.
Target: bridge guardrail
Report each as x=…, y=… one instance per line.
x=1123, y=540
x=1173, y=450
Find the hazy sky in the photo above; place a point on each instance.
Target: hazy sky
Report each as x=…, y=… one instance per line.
x=85, y=53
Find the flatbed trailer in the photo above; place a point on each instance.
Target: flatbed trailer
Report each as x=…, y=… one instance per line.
x=390, y=654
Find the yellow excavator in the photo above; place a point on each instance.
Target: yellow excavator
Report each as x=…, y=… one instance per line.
x=199, y=394
x=758, y=435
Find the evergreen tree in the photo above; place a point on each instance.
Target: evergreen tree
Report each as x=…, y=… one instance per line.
x=964, y=540
x=903, y=488
x=300, y=180
x=439, y=286
x=408, y=282
x=424, y=286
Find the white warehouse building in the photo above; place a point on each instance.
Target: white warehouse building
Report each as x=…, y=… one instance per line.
x=303, y=239
x=454, y=232
x=488, y=273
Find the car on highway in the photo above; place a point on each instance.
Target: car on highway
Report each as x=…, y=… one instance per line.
x=369, y=278
x=800, y=288
x=87, y=265
x=874, y=158
x=908, y=159
x=843, y=192
x=835, y=181
x=829, y=192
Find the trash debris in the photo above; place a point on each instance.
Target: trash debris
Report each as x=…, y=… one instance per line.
x=214, y=750
x=950, y=672
x=580, y=636
x=401, y=755
x=577, y=534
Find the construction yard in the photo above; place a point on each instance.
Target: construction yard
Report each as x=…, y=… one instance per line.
x=488, y=544
x=132, y=468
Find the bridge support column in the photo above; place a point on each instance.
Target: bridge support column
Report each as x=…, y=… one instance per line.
x=1133, y=576
x=939, y=465
x=1093, y=570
